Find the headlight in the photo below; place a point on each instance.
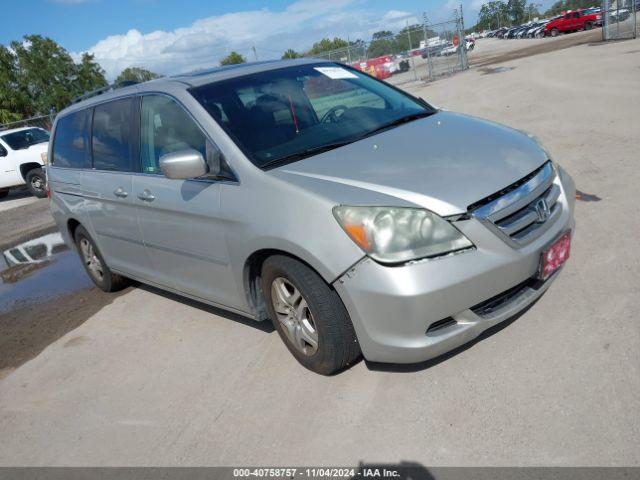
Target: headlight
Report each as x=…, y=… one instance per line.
x=395, y=234
x=43, y=156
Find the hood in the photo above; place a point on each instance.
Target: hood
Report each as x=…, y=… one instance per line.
x=444, y=162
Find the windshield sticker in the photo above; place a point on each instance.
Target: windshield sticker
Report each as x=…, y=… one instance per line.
x=335, y=73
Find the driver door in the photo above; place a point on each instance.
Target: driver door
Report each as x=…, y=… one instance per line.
x=182, y=223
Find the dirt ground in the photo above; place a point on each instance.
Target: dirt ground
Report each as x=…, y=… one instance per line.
x=147, y=378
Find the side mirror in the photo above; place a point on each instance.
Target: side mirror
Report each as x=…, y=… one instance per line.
x=183, y=164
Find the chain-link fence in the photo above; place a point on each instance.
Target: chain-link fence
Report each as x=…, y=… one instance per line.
x=620, y=19
x=421, y=52
x=44, y=121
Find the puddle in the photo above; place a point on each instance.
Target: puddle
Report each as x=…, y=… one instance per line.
x=587, y=197
x=491, y=70
x=37, y=271
x=44, y=294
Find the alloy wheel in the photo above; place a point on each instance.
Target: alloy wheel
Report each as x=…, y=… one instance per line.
x=37, y=183
x=294, y=315
x=91, y=260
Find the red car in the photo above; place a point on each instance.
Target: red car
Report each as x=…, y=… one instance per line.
x=571, y=22
x=379, y=67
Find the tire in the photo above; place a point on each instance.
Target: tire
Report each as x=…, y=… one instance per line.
x=4, y=193
x=37, y=183
x=554, y=32
x=95, y=265
x=588, y=26
x=317, y=311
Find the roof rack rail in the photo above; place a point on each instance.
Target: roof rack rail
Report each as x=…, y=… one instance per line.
x=100, y=91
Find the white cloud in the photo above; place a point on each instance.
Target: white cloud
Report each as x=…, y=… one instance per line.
x=207, y=40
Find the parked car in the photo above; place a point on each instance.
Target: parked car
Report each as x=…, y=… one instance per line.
x=572, y=21
x=295, y=191
x=619, y=15
x=23, y=155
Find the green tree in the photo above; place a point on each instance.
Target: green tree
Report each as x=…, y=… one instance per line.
x=46, y=73
x=136, y=74
x=291, y=53
x=493, y=15
x=90, y=75
x=37, y=75
x=563, y=5
x=517, y=10
x=12, y=100
x=382, y=43
x=233, y=59
x=413, y=32
x=327, y=45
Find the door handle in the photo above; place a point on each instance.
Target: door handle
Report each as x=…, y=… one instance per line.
x=146, y=196
x=120, y=193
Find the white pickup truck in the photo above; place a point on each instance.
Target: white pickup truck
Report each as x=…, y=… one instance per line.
x=23, y=153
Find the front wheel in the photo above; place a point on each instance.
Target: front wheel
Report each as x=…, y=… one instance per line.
x=308, y=315
x=4, y=193
x=588, y=26
x=36, y=182
x=95, y=265
x=554, y=32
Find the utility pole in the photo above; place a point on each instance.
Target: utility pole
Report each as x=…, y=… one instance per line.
x=255, y=53
x=413, y=63
x=426, y=45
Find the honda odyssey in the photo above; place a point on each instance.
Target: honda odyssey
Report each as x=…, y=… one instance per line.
x=359, y=219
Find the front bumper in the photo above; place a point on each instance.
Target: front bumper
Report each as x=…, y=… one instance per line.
x=395, y=310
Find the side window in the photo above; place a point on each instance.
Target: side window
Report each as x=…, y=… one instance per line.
x=71, y=142
x=567, y=16
x=3, y=151
x=576, y=15
x=164, y=128
x=111, y=136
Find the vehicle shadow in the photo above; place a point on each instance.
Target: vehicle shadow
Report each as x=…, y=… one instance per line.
x=416, y=367
x=265, y=326
x=16, y=194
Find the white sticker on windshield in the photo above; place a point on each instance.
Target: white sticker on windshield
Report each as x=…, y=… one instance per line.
x=335, y=72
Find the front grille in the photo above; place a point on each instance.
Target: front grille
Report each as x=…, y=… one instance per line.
x=524, y=210
x=496, y=303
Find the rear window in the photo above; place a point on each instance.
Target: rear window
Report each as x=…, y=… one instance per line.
x=111, y=136
x=71, y=143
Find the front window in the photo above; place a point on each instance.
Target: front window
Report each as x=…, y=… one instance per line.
x=166, y=128
x=23, y=139
x=284, y=115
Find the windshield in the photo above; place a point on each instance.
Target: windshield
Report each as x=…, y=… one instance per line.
x=25, y=138
x=284, y=115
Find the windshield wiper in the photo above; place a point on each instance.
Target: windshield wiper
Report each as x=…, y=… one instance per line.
x=308, y=152
x=399, y=121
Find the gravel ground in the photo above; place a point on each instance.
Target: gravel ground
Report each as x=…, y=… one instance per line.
x=151, y=379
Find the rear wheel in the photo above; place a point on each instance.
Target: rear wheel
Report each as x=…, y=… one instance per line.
x=36, y=182
x=588, y=26
x=95, y=265
x=308, y=315
x=4, y=193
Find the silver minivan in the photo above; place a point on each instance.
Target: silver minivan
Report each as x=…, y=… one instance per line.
x=359, y=219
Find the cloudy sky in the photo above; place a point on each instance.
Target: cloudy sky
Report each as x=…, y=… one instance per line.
x=171, y=36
